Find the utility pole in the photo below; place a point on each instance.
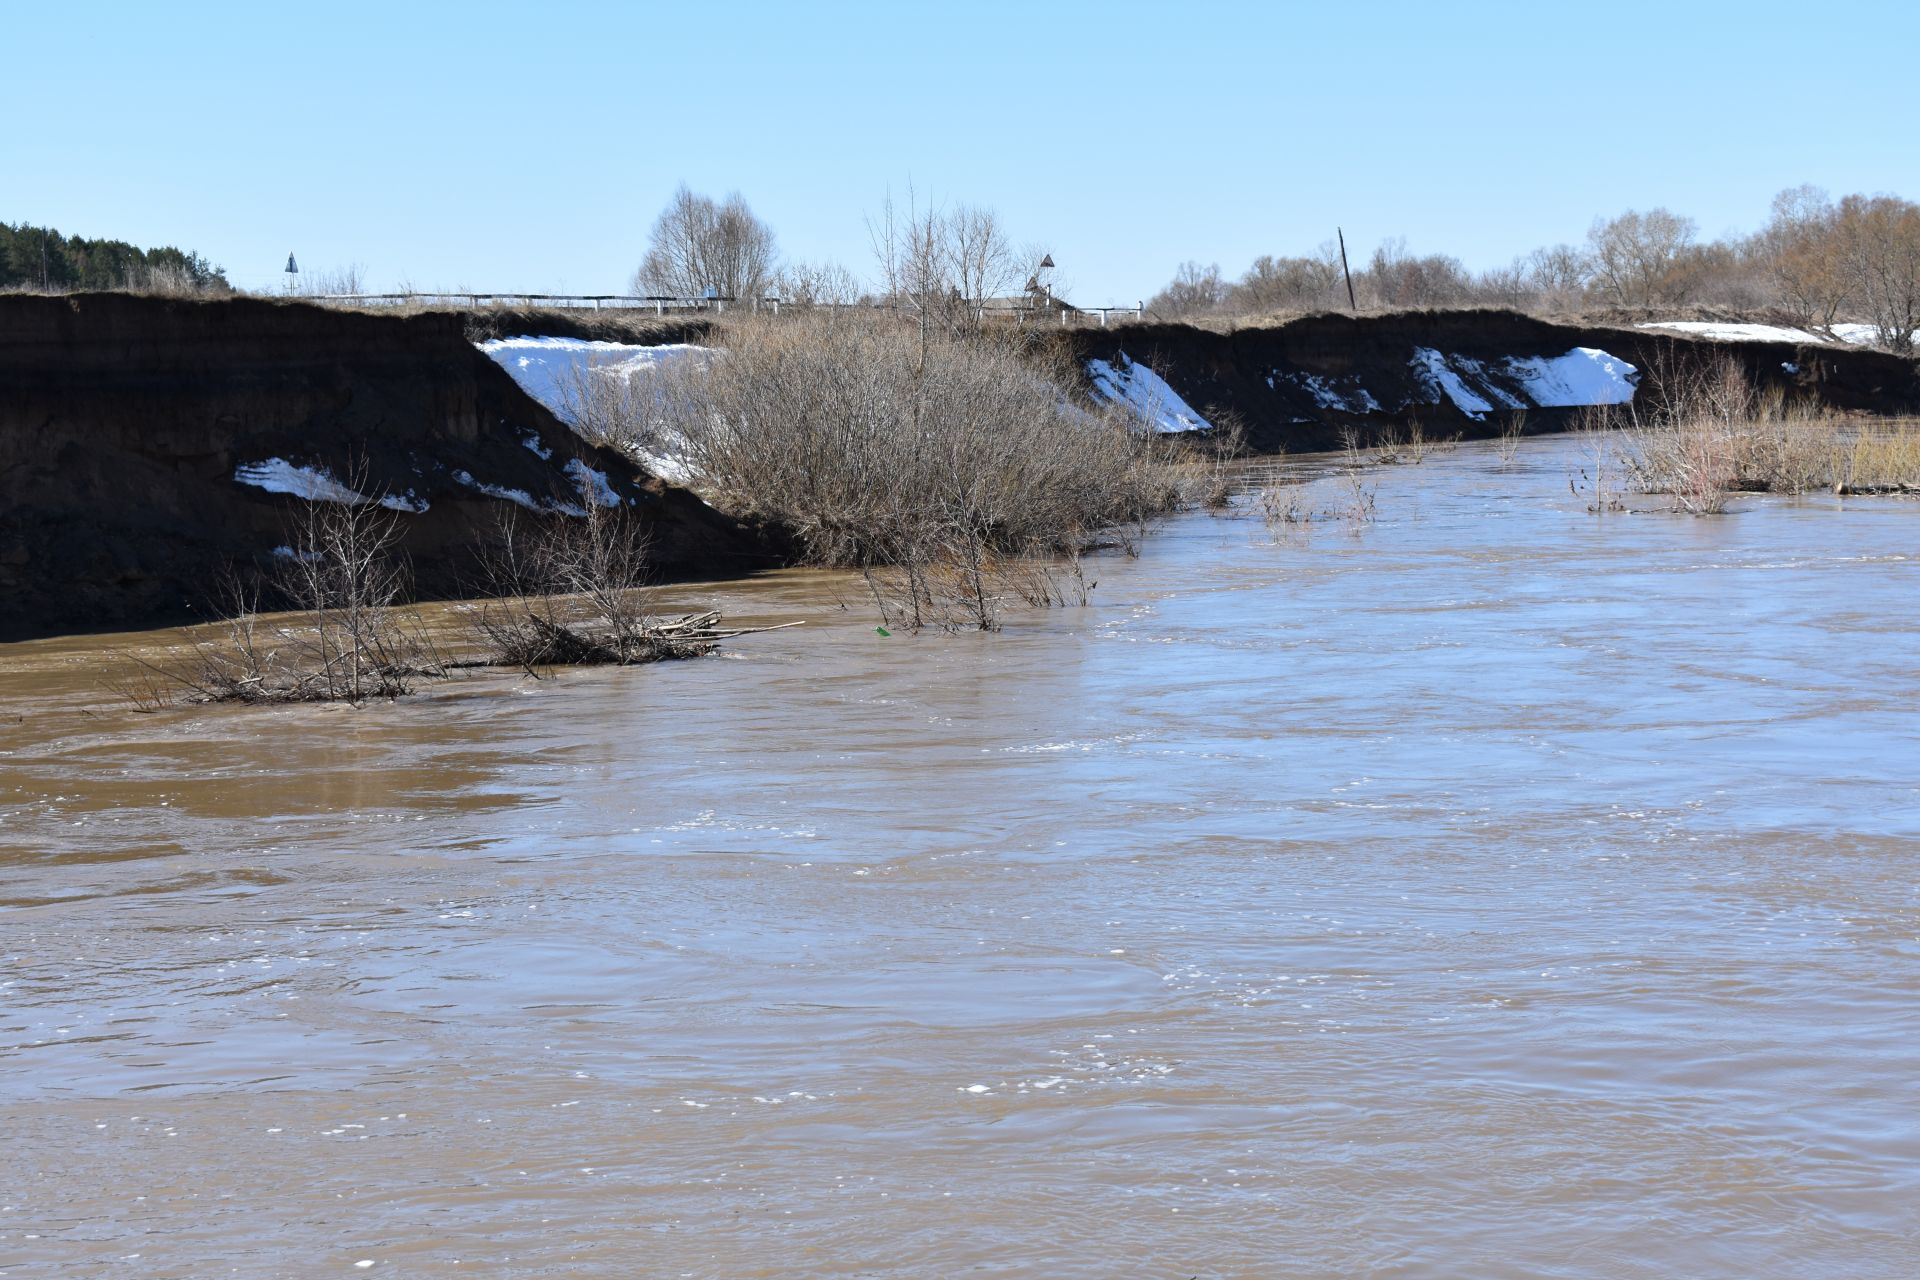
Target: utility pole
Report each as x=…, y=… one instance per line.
x=1343, y=268
x=45, y=287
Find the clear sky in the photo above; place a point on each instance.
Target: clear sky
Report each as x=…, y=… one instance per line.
x=529, y=146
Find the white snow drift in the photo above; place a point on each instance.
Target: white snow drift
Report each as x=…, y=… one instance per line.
x=1859, y=335
x=1146, y=393
x=1583, y=376
x=550, y=369
x=315, y=484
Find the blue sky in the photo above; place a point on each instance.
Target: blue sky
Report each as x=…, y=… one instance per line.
x=530, y=146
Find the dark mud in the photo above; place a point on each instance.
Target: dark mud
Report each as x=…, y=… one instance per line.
x=1244, y=374
x=123, y=419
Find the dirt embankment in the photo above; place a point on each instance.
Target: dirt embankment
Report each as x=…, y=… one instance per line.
x=1295, y=386
x=125, y=420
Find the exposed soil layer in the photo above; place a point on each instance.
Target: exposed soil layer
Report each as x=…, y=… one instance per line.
x=1263, y=377
x=123, y=420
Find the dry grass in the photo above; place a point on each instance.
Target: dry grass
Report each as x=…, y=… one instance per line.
x=1710, y=434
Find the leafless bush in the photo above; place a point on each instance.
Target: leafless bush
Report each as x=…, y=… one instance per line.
x=1283, y=507
x=172, y=280
x=1207, y=473
x=571, y=591
x=1511, y=431
x=811, y=284
x=893, y=447
x=342, y=573
x=344, y=281
x=1716, y=435
x=1599, y=482
x=941, y=266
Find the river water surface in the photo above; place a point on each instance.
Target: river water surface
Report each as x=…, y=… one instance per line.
x=1497, y=890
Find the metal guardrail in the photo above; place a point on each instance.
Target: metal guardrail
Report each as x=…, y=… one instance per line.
x=661, y=304
x=564, y=301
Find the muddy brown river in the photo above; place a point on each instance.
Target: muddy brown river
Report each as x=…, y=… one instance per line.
x=1495, y=891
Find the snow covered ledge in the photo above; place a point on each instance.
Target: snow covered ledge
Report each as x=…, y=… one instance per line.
x=1146, y=393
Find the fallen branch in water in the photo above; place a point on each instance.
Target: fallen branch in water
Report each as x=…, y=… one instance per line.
x=533, y=638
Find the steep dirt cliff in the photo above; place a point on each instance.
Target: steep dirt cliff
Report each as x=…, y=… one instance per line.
x=129, y=426
x=1295, y=386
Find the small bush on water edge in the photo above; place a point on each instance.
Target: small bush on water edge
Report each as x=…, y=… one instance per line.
x=945, y=466
x=341, y=570
x=1710, y=434
x=571, y=591
x=565, y=591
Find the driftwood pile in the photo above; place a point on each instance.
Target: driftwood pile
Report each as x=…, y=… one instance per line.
x=545, y=643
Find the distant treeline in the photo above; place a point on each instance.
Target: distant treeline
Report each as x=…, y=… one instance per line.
x=1816, y=261
x=42, y=258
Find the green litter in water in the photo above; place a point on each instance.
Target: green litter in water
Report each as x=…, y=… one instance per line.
x=883, y=631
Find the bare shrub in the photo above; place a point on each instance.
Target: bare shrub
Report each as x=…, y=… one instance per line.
x=1283, y=507
x=1714, y=435
x=817, y=284
x=1511, y=432
x=571, y=591
x=1195, y=290
x=342, y=573
x=1601, y=481
x=1881, y=458
x=1208, y=475
x=346, y=281
x=892, y=447
x=942, y=266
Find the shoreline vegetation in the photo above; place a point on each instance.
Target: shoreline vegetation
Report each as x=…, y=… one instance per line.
x=1699, y=435
x=933, y=436
x=952, y=468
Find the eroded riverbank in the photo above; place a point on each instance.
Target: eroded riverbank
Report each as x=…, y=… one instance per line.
x=1494, y=889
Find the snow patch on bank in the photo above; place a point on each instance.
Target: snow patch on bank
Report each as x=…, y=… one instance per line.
x=520, y=497
x=1583, y=376
x=1852, y=334
x=1865, y=335
x=316, y=484
x=1328, y=392
x=1146, y=394
x=1441, y=375
x=1730, y=332
x=553, y=370
x=591, y=484
x=277, y=475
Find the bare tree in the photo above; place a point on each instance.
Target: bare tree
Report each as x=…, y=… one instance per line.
x=1799, y=250
x=700, y=248
x=809, y=284
x=982, y=260
x=1559, y=273
x=1276, y=284
x=910, y=249
x=1396, y=278
x=1194, y=290
x=1636, y=257
x=1879, y=253
x=940, y=266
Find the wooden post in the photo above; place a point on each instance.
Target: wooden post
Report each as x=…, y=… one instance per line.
x=1343, y=268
